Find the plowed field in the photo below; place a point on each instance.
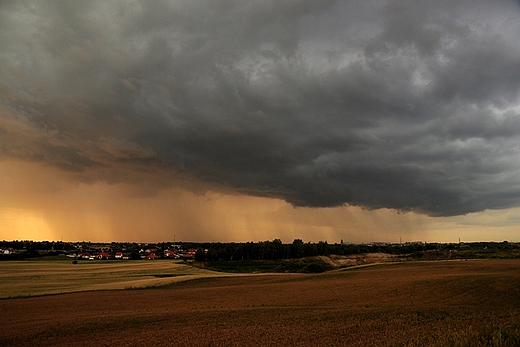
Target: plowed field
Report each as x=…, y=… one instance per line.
x=401, y=304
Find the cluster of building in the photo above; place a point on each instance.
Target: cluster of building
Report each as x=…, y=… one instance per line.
x=7, y=251
x=10, y=250
x=174, y=252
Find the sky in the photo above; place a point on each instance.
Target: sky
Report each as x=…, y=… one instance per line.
x=224, y=120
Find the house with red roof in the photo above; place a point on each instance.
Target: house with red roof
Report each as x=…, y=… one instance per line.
x=103, y=255
x=152, y=256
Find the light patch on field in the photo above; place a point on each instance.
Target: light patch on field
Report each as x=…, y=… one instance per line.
x=25, y=278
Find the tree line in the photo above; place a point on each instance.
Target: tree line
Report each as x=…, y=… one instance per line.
x=275, y=249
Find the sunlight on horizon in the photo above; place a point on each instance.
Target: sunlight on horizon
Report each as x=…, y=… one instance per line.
x=25, y=225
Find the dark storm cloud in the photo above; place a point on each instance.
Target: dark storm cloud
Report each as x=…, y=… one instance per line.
x=410, y=105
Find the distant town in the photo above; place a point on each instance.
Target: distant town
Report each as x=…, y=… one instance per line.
x=94, y=250
x=262, y=250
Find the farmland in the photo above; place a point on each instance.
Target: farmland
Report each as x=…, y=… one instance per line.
x=30, y=278
x=396, y=304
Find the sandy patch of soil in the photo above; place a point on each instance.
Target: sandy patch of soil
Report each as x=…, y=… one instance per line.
x=358, y=259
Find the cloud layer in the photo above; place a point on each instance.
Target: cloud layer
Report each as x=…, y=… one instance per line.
x=409, y=105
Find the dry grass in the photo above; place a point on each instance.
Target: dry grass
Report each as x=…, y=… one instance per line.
x=455, y=303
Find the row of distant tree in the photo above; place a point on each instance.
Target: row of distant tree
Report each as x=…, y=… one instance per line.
x=267, y=250
x=263, y=250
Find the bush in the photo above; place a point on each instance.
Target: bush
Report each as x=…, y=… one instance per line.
x=248, y=266
x=314, y=268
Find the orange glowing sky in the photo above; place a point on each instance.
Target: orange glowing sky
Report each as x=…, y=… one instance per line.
x=38, y=203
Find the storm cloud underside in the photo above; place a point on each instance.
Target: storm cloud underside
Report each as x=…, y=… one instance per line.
x=408, y=105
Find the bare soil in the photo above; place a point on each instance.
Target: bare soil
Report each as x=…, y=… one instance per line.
x=395, y=304
x=358, y=259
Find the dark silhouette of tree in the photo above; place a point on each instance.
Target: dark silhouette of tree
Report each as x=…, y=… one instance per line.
x=297, y=249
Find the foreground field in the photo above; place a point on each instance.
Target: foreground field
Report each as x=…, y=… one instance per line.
x=457, y=303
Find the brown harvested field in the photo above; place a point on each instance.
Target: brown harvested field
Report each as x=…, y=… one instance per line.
x=399, y=304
